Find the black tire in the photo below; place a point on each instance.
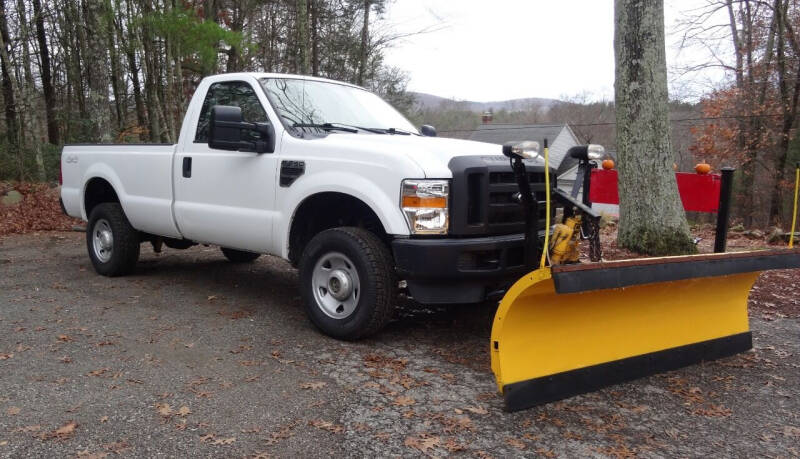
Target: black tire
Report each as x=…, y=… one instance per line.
x=125, y=250
x=374, y=267
x=239, y=256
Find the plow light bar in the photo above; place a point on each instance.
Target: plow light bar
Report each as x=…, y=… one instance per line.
x=522, y=150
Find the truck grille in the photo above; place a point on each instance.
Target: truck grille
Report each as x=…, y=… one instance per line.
x=483, y=196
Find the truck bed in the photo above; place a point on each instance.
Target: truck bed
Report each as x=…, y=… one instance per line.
x=140, y=174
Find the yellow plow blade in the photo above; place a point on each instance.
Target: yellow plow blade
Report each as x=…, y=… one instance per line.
x=577, y=328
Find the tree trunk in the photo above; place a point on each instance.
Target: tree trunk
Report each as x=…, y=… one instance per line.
x=314, y=7
x=788, y=111
x=28, y=95
x=302, y=36
x=12, y=123
x=117, y=84
x=97, y=71
x=47, y=78
x=362, y=61
x=652, y=219
x=151, y=76
x=133, y=68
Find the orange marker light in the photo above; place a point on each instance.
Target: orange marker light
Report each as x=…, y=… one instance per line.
x=432, y=202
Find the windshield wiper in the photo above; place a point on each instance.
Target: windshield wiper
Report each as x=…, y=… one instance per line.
x=360, y=128
x=393, y=131
x=325, y=127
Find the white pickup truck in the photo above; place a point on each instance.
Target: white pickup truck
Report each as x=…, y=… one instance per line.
x=323, y=174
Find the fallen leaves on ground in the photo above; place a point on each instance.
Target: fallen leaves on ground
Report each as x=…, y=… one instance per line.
x=39, y=210
x=313, y=385
x=423, y=442
x=164, y=409
x=6, y=356
x=326, y=425
x=515, y=442
x=89, y=455
x=62, y=432
x=476, y=409
x=714, y=411
x=403, y=401
x=791, y=432
x=283, y=432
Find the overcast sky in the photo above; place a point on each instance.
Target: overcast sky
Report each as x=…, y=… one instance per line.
x=487, y=50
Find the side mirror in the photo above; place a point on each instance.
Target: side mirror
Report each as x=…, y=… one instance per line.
x=225, y=131
x=427, y=130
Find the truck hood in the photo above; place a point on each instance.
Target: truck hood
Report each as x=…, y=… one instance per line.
x=431, y=154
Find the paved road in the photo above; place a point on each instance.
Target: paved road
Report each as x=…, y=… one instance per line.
x=193, y=355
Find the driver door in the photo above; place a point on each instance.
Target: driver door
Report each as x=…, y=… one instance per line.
x=224, y=197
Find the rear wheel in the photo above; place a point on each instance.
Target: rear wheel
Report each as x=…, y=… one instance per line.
x=112, y=242
x=239, y=256
x=348, y=283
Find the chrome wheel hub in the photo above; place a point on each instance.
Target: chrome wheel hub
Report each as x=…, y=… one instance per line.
x=336, y=285
x=102, y=240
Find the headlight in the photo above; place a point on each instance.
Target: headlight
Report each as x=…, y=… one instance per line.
x=424, y=204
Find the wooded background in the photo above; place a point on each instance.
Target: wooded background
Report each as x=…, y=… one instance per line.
x=123, y=71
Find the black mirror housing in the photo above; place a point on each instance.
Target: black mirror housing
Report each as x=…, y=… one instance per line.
x=224, y=128
x=225, y=131
x=427, y=130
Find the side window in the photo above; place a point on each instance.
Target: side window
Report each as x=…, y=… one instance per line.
x=237, y=94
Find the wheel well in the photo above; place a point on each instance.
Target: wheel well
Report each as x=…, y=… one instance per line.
x=324, y=211
x=98, y=191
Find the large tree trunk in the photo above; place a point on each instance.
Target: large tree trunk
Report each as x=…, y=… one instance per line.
x=652, y=219
x=47, y=78
x=97, y=70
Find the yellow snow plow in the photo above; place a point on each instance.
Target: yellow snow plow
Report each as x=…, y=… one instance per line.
x=567, y=329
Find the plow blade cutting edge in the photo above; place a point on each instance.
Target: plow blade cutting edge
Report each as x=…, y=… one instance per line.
x=572, y=329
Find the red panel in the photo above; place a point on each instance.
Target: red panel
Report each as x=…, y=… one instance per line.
x=699, y=193
x=603, y=189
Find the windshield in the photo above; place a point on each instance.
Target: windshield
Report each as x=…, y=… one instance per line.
x=309, y=102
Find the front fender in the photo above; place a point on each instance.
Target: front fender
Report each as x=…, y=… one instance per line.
x=384, y=201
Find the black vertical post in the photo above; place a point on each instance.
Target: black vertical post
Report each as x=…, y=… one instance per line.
x=724, y=210
x=587, y=184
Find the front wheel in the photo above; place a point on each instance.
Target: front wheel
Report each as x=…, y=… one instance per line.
x=112, y=242
x=348, y=283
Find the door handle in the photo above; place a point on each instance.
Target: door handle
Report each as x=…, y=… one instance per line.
x=187, y=166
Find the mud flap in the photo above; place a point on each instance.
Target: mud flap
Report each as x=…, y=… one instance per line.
x=577, y=328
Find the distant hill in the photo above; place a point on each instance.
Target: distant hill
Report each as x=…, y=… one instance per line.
x=429, y=101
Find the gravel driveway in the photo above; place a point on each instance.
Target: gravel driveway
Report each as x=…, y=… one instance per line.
x=195, y=356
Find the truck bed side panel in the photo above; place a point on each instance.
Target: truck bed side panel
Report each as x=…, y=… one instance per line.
x=140, y=174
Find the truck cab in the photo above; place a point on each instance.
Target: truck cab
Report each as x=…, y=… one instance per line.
x=323, y=174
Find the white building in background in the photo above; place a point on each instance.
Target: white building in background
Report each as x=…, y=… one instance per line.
x=560, y=139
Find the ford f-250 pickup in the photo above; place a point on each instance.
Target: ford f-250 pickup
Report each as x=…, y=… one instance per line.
x=323, y=174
